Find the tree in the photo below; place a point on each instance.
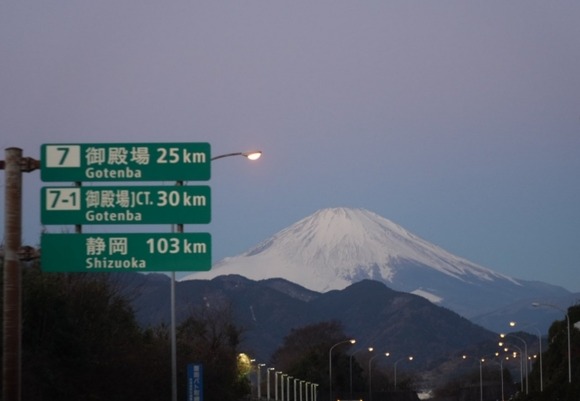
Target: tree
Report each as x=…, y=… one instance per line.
x=80, y=341
x=209, y=336
x=555, y=362
x=305, y=354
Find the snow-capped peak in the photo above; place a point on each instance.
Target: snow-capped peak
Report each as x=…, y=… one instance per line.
x=335, y=247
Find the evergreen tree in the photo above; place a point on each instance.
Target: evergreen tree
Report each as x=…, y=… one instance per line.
x=80, y=341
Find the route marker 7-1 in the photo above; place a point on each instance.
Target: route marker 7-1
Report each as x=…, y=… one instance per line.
x=126, y=205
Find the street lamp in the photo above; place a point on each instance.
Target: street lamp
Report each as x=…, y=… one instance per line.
x=259, y=365
x=500, y=363
x=288, y=387
x=371, y=374
x=370, y=349
x=410, y=358
x=352, y=341
x=537, y=304
x=501, y=377
x=282, y=377
x=268, y=381
x=276, y=384
x=525, y=355
x=253, y=155
x=296, y=382
x=481, y=360
x=513, y=324
x=521, y=363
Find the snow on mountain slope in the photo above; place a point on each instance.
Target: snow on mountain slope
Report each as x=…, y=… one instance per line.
x=336, y=247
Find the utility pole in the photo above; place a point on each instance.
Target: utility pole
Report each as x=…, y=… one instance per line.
x=14, y=165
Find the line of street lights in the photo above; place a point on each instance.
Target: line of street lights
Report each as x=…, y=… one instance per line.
x=523, y=366
x=303, y=390
x=281, y=389
x=369, y=370
x=523, y=354
x=283, y=393
x=481, y=361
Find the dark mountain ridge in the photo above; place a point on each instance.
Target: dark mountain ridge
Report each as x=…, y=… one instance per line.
x=390, y=321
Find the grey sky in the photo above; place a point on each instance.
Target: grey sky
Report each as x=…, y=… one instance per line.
x=458, y=120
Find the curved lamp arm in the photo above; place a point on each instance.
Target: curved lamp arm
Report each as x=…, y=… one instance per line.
x=253, y=155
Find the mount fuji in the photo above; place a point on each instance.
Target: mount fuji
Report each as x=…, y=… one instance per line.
x=336, y=247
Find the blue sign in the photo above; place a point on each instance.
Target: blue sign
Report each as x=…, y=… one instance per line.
x=194, y=382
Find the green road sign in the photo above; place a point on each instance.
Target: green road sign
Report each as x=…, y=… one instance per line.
x=126, y=162
x=126, y=252
x=126, y=205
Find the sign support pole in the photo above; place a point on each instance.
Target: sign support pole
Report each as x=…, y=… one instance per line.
x=13, y=165
x=178, y=229
x=12, y=281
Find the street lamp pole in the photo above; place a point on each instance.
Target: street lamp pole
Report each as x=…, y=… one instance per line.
x=268, y=382
x=501, y=377
x=395, y=368
x=296, y=382
x=352, y=341
x=288, y=387
x=525, y=356
x=541, y=363
x=521, y=364
x=481, y=360
x=350, y=365
x=276, y=384
x=259, y=379
x=254, y=155
x=371, y=375
x=537, y=304
x=282, y=385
